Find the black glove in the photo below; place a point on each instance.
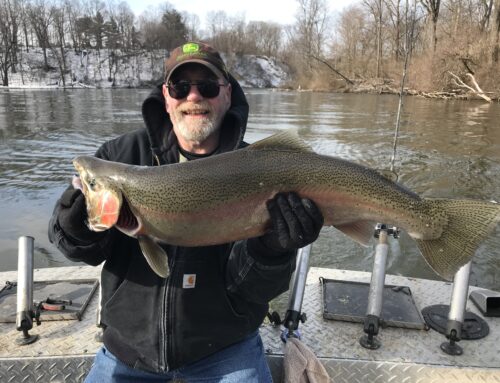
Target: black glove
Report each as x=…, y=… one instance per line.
x=296, y=222
x=73, y=216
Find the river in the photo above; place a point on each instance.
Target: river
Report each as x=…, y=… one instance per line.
x=448, y=149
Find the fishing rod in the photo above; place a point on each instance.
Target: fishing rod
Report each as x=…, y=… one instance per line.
x=408, y=45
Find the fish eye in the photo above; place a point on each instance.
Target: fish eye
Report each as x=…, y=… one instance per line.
x=92, y=183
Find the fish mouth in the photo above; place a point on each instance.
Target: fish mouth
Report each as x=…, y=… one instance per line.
x=127, y=221
x=77, y=182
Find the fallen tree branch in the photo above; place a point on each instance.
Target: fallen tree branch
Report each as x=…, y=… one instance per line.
x=478, y=91
x=333, y=69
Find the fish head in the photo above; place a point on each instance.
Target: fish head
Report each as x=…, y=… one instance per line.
x=102, y=195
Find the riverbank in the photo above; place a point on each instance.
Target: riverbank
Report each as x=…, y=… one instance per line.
x=139, y=69
x=390, y=86
x=143, y=69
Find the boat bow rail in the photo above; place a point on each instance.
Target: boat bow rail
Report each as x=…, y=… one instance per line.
x=65, y=349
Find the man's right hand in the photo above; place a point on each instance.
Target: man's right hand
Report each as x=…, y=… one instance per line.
x=73, y=215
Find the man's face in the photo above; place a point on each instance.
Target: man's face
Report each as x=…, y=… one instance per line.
x=195, y=117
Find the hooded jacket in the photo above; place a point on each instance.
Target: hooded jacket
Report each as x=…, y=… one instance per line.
x=214, y=297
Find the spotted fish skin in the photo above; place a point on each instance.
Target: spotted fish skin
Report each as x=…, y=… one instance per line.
x=223, y=198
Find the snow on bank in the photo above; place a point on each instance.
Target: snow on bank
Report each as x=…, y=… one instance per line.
x=106, y=69
x=258, y=71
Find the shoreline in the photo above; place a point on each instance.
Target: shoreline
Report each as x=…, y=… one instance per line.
x=362, y=88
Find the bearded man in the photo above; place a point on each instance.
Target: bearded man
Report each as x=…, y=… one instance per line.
x=200, y=324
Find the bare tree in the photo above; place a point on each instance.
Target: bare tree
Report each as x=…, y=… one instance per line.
x=394, y=13
x=58, y=48
x=73, y=14
x=228, y=33
x=432, y=8
x=192, y=22
x=496, y=33
x=7, y=40
x=264, y=38
x=310, y=30
x=485, y=8
x=352, y=34
x=125, y=20
x=150, y=29
x=24, y=22
x=375, y=7
x=39, y=13
x=218, y=23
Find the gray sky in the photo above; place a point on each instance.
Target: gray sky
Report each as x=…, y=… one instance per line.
x=280, y=11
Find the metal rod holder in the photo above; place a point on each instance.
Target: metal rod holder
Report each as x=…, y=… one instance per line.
x=294, y=313
x=457, y=310
x=25, y=312
x=376, y=291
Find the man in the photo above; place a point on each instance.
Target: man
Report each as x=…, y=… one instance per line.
x=201, y=323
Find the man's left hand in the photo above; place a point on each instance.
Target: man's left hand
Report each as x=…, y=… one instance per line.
x=296, y=222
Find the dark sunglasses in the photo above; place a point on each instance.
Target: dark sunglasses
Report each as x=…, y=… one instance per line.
x=207, y=88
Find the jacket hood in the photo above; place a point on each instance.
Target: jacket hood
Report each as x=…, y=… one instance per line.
x=161, y=135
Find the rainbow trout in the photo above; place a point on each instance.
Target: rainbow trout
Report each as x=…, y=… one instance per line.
x=222, y=199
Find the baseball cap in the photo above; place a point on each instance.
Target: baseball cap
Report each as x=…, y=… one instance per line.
x=195, y=52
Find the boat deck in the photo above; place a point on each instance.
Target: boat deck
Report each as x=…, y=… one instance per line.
x=65, y=348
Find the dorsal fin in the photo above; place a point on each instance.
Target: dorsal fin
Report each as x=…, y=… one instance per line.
x=284, y=141
x=391, y=175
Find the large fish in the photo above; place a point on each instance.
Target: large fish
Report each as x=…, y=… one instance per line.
x=223, y=198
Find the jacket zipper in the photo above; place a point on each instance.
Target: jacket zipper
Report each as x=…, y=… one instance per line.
x=163, y=341
x=167, y=315
x=167, y=308
x=155, y=157
x=163, y=329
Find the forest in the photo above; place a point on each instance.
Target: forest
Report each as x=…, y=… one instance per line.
x=441, y=48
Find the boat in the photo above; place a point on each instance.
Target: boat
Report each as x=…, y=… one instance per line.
x=380, y=346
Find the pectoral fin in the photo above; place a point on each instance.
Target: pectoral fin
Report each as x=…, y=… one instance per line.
x=155, y=256
x=361, y=231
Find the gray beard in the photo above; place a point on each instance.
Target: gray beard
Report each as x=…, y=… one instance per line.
x=197, y=132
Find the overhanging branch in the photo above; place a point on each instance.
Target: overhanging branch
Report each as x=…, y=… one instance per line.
x=333, y=69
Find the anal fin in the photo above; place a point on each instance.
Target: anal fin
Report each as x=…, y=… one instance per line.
x=155, y=256
x=360, y=231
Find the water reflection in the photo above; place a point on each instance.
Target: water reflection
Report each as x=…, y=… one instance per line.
x=445, y=149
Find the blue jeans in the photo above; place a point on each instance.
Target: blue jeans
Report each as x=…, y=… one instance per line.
x=243, y=362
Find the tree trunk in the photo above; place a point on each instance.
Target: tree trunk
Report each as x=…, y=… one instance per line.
x=13, y=52
x=398, y=28
x=379, y=37
x=25, y=31
x=432, y=8
x=45, y=61
x=5, y=77
x=434, y=34
x=496, y=34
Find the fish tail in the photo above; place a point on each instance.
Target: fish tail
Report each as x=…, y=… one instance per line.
x=469, y=223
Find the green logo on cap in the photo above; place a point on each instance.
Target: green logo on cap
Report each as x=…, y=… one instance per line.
x=190, y=48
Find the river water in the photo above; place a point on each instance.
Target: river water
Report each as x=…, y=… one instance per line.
x=447, y=149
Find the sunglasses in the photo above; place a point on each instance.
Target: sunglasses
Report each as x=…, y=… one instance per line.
x=207, y=88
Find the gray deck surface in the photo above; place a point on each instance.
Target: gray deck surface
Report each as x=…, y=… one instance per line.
x=65, y=349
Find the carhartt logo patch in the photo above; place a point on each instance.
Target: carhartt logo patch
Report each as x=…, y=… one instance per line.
x=189, y=281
